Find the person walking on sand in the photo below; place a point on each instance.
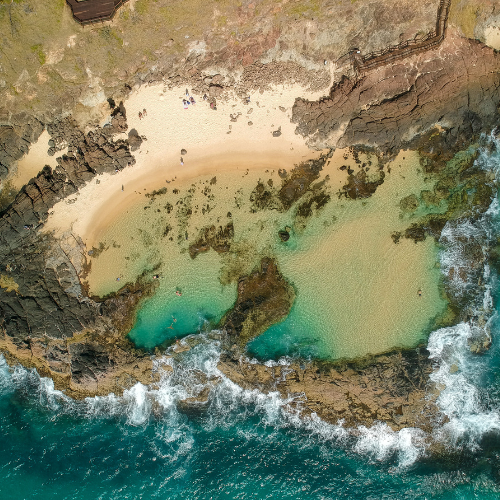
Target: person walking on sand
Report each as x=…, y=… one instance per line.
x=182, y=161
x=144, y=113
x=122, y=187
x=187, y=93
x=140, y=115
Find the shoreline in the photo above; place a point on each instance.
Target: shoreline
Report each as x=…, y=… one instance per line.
x=203, y=132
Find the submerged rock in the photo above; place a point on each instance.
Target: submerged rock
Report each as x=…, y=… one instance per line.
x=264, y=298
x=284, y=235
x=211, y=237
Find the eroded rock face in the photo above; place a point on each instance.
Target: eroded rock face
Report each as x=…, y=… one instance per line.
x=46, y=321
x=17, y=133
x=456, y=85
x=391, y=388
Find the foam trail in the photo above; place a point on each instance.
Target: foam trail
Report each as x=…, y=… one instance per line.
x=458, y=371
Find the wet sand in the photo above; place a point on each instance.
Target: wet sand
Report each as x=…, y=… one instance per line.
x=200, y=130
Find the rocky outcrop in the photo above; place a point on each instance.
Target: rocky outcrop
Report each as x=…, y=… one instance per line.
x=17, y=133
x=294, y=185
x=46, y=321
x=264, y=298
x=211, y=237
x=455, y=86
x=391, y=388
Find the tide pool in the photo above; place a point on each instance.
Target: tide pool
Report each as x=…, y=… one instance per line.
x=357, y=290
x=190, y=299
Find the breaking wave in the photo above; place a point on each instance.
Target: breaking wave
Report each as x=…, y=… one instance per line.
x=461, y=371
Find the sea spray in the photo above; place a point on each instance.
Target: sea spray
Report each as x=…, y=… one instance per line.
x=229, y=406
x=459, y=372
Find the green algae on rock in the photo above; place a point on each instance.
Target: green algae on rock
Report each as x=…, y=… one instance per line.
x=264, y=298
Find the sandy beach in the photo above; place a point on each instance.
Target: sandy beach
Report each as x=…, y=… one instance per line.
x=29, y=165
x=237, y=136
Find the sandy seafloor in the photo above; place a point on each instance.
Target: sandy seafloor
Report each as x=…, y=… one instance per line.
x=346, y=270
x=356, y=292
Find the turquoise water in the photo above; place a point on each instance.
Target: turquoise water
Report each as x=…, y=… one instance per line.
x=290, y=337
x=242, y=446
x=172, y=320
x=196, y=303
x=246, y=445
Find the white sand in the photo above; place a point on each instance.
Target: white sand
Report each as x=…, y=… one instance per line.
x=33, y=162
x=200, y=130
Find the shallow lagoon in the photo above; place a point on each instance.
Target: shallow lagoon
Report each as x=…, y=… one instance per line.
x=357, y=291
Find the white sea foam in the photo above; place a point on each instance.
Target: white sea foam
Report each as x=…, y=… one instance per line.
x=458, y=371
x=457, y=376
x=380, y=442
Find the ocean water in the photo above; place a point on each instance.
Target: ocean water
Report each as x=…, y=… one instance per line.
x=247, y=445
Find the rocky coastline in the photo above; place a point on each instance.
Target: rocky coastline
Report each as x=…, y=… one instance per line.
x=439, y=103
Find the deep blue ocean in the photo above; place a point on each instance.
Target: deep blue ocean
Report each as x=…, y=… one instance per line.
x=247, y=445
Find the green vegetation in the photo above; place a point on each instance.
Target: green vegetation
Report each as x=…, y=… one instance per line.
x=38, y=51
x=7, y=195
x=305, y=8
x=8, y=283
x=464, y=13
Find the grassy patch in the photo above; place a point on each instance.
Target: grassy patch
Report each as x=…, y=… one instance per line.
x=305, y=8
x=38, y=51
x=7, y=195
x=464, y=13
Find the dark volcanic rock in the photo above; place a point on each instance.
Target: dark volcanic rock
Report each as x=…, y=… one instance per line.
x=456, y=85
x=16, y=136
x=359, y=186
x=284, y=235
x=45, y=306
x=88, y=361
x=134, y=140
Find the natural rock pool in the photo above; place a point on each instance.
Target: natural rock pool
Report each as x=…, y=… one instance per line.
x=359, y=289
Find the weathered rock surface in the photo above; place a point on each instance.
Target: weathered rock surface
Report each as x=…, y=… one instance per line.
x=391, y=388
x=455, y=86
x=17, y=133
x=264, y=298
x=46, y=321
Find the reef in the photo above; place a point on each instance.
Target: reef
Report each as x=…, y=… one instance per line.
x=392, y=388
x=264, y=298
